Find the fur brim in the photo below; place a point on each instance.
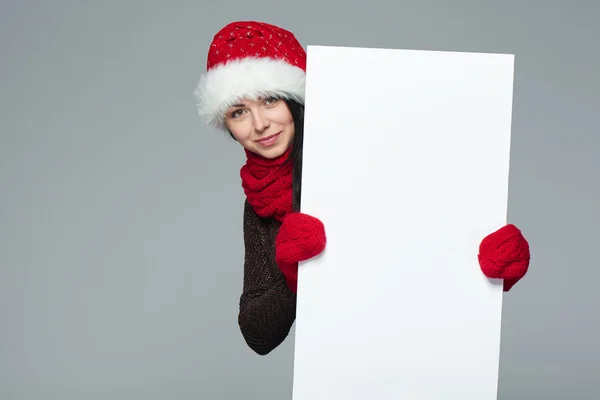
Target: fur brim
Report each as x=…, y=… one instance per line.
x=250, y=78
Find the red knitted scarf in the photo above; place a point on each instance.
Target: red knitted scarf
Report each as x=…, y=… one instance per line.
x=267, y=184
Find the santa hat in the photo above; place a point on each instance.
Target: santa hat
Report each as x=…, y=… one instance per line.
x=249, y=59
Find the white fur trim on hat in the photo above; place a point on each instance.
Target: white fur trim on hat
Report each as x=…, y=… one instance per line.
x=249, y=78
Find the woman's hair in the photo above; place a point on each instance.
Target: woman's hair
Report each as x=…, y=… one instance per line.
x=297, y=111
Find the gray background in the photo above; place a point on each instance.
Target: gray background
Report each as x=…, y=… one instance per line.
x=120, y=215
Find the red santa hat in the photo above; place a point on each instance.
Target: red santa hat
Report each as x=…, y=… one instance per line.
x=249, y=59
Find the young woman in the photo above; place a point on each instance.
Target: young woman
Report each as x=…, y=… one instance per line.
x=253, y=89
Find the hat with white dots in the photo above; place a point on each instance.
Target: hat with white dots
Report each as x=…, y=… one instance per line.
x=249, y=59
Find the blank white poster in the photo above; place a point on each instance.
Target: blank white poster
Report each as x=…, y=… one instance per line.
x=406, y=162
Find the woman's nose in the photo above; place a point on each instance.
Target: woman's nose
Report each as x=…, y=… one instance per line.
x=260, y=122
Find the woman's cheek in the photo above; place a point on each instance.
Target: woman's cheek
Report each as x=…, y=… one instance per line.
x=239, y=132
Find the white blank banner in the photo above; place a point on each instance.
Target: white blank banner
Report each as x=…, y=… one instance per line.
x=406, y=162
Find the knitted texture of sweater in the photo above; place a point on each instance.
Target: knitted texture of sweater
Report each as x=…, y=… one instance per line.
x=267, y=304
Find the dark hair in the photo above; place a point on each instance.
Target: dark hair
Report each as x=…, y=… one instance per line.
x=297, y=111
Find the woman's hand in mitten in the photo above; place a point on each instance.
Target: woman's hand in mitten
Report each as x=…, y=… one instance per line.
x=301, y=237
x=504, y=254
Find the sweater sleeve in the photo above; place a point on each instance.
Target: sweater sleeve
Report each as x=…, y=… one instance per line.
x=267, y=305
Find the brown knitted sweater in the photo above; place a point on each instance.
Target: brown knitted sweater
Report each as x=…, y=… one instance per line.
x=267, y=305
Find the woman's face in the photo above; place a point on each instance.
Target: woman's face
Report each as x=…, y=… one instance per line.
x=263, y=126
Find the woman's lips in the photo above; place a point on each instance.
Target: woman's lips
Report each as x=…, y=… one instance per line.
x=269, y=140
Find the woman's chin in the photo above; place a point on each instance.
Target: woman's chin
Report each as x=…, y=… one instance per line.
x=271, y=152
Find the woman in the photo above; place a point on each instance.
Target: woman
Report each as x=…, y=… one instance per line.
x=254, y=90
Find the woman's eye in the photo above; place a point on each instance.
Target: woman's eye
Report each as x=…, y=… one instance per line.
x=271, y=100
x=236, y=113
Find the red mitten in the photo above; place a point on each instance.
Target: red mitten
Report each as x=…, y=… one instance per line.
x=504, y=254
x=300, y=238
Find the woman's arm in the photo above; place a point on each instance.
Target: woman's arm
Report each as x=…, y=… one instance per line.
x=267, y=305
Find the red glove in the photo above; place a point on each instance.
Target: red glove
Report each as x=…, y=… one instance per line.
x=300, y=238
x=504, y=254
